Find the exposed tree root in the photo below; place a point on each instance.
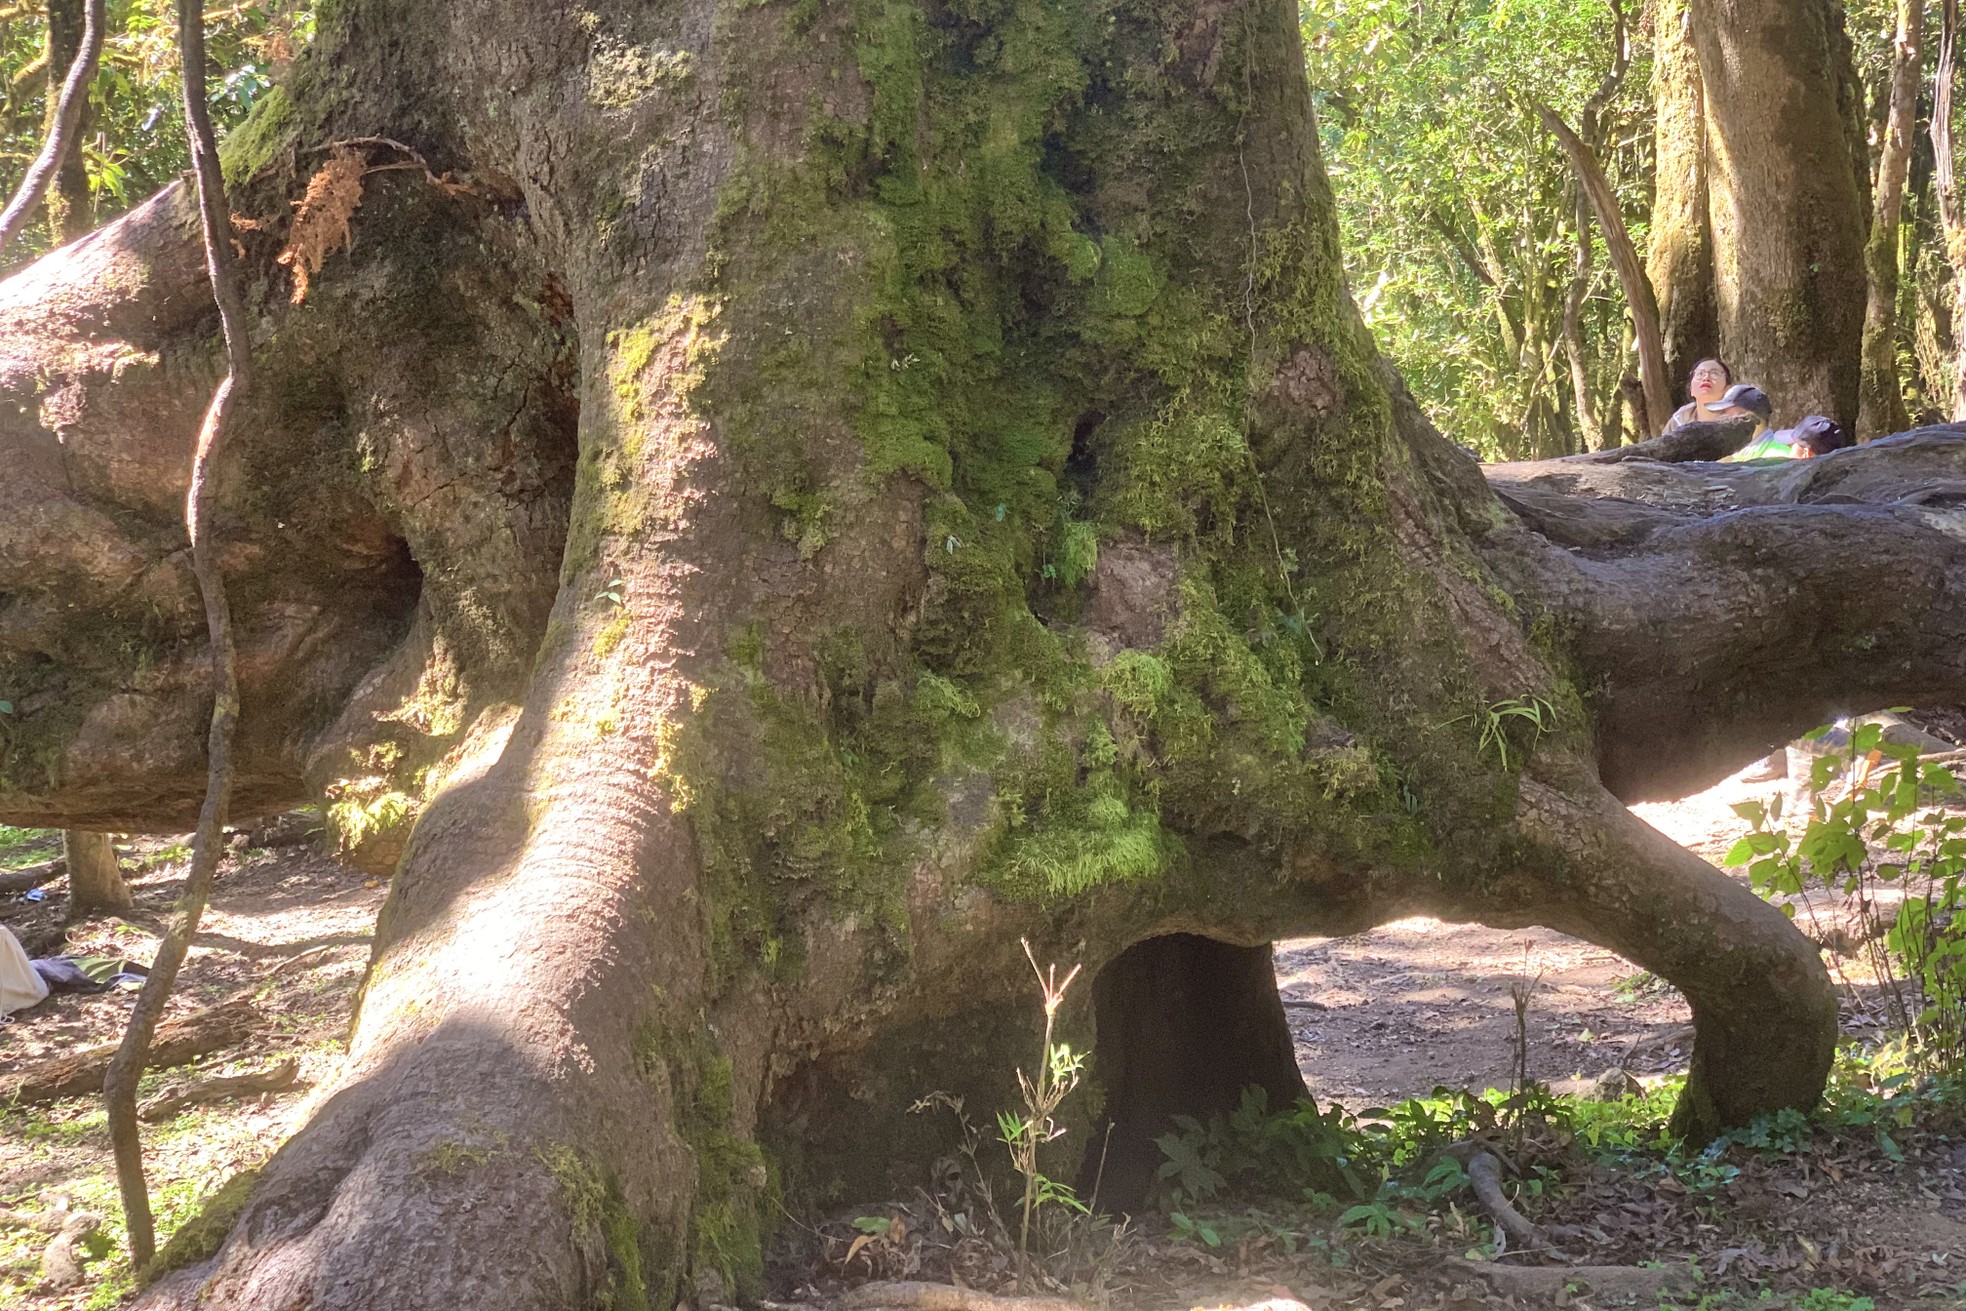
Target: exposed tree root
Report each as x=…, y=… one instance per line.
x=61, y=1259
x=1485, y=1175
x=273, y=1079
x=908, y=1295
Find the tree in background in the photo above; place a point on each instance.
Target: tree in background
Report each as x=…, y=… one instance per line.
x=1432, y=213
x=1881, y=404
x=1679, y=258
x=95, y=883
x=1784, y=201
x=135, y=140
x=1465, y=231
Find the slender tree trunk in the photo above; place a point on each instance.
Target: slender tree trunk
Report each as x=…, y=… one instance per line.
x=1679, y=251
x=1881, y=408
x=1784, y=201
x=71, y=211
x=68, y=102
x=1590, y=428
x=95, y=884
x=1631, y=274
x=1945, y=185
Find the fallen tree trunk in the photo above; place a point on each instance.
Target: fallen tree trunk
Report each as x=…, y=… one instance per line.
x=178, y=1041
x=25, y=880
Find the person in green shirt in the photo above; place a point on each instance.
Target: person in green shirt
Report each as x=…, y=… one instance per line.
x=1816, y=435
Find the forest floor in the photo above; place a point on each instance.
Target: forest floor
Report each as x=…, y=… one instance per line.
x=1814, y=1218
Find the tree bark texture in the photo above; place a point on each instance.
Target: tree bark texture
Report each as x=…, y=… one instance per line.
x=95, y=884
x=1784, y=201
x=1881, y=402
x=71, y=210
x=1679, y=249
x=1945, y=186
x=816, y=497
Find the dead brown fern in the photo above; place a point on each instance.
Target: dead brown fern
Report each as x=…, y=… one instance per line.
x=322, y=217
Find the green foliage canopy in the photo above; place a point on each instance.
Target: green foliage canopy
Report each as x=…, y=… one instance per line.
x=1459, y=213
x=135, y=143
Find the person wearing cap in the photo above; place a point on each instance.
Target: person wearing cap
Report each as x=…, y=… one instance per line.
x=1816, y=435
x=1716, y=398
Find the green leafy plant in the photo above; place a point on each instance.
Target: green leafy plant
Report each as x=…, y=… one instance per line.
x=1535, y=715
x=1833, y=1299
x=1295, y=1154
x=1872, y=823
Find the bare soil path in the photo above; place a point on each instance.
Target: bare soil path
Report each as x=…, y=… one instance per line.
x=1417, y=1003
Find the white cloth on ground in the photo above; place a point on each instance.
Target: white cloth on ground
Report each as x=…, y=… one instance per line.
x=20, y=985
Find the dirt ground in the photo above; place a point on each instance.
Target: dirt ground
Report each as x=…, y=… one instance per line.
x=1378, y=1018
x=288, y=925
x=1391, y=1014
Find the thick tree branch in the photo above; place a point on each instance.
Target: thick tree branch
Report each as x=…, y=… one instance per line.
x=1720, y=610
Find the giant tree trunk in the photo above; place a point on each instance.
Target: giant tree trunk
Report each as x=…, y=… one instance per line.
x=816, y=496
x=1784, y=200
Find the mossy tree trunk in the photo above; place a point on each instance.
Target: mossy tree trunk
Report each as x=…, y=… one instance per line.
x=823, y=494
x=1785, y=199
x=71, y=210
x=1881, y=401
x=1679, y=250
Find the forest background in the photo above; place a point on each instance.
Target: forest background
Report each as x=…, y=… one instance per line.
x=1471, y=249
x=1473, y=253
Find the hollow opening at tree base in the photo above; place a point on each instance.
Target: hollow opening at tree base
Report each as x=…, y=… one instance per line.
x=1185, y=1024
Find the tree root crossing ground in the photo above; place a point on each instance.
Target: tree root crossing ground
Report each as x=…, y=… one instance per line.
x=1376, y=1019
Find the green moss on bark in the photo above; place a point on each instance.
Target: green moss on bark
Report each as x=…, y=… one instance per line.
x=200, y=1237
x=736, y=1191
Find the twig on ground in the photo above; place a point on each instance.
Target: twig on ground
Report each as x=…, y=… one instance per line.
x=291, y=961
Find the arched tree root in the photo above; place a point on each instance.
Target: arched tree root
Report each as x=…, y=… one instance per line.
x=1764, y=1010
